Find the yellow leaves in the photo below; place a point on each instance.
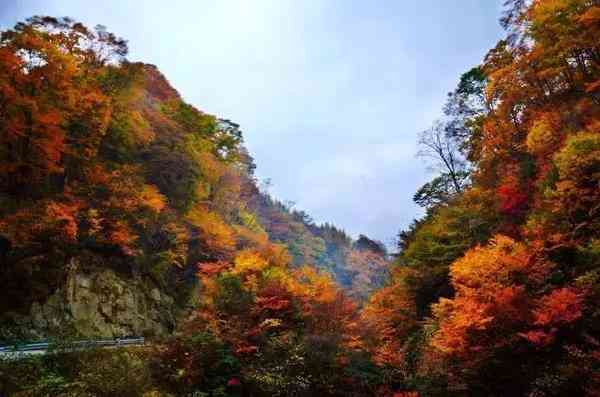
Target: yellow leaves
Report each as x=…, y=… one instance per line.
x=491, y=302
x=216, y=234
x=269, y=323
x=542, y=11
x=249, y=261
x=152, y=198
x=180, y=237
x=276, y=254
x=388, y=318
x=542, y=136
x=141, y=130
x=225, y=195
x=580, y=152
x=497, y=264
x=460, y=319
x=578, y=163
x=249, y=238
x=250, y=221
x=210, y=289
x=312, y=284
x=251, y=283
x=210, y=167
x=391, y=311
x=276, y=274
x=491, y=268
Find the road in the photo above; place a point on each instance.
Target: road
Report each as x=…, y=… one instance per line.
x=43, y=347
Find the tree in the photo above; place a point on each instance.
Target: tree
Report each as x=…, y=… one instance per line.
x=438, y=191
x=465, y=110
x=438, y=145
x=366, y=244
x=367, y=271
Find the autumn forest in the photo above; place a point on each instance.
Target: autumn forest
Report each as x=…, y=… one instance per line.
x=125, y=211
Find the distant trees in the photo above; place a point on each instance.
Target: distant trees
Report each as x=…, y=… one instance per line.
x=363, y=243
x=359, y=266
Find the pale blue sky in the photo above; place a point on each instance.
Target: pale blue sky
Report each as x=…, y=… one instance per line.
x=330, y=94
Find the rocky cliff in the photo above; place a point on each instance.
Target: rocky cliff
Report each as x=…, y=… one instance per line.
x=102, y=303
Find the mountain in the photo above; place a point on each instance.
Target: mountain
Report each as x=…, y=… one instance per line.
x=125, y=210
x=114, y=191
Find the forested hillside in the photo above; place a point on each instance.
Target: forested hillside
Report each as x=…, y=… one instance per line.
x=503, y=271
x=125, y=209
x=104, y=166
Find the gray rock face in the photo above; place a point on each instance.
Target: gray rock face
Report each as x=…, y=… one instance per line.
x=102, y=304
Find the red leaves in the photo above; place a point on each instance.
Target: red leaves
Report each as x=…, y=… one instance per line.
x=513, y=201
x=538, y=337
x=121, y=235
x=272, y=303
x=65, y=217
x=388, y=318
x=157, y=85
x=561, y=306
x=209, y=269
x=49, y=221
x=245, y=350
x=234, y=382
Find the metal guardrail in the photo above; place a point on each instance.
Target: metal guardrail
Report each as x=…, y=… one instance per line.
x=80, y=344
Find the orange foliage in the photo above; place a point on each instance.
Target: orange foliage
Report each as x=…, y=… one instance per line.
x=151, y=198
x=561, y=306
x=120, y=234
x=388, y=318
x=217, y=236
x=406, y=394
x=558, y=308
x=65, y=217
x=210, y=269
x=491, y=303
x=47, y=221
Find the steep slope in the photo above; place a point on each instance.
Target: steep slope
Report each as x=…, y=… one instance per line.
x=358, y=266
x=501, y=277
x=113, y=191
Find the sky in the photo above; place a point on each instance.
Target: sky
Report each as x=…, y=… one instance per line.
x=330, y=94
